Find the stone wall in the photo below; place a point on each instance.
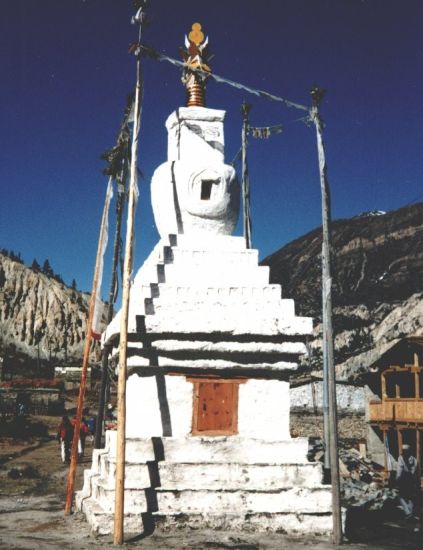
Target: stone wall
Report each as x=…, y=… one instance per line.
x=309, y=398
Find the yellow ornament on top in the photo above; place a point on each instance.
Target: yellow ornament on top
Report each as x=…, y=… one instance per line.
x=196, y=35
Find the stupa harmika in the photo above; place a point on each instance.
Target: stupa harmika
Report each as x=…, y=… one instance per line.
x=211, y=346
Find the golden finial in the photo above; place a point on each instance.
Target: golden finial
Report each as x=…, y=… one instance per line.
x=196, y=35
x=195, y=56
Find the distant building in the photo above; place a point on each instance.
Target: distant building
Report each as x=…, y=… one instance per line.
x=71, y=376
x=395, y=402
x=32, y=396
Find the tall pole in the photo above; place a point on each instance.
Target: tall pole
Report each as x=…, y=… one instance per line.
x=329, y=372
x=121, y=393
x=86, y=357
x=245, y=109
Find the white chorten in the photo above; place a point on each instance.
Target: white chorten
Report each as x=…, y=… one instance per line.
x=211, y=345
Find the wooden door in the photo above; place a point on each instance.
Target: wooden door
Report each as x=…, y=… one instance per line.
x=215, y=407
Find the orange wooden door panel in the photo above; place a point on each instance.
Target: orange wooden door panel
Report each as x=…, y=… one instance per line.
x=215, y=407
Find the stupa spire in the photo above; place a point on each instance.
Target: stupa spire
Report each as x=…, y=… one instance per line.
x=195, y=55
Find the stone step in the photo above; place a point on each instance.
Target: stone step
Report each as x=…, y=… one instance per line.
x=155, y=298
x=216, y=307
x=211, y=450
x=207, y=242
x=213, y=293
x=96, y=459
x=213, y=476
x=213, y=307
x=137, y=501
x=102, y=522
x=211, y=258
x=85, y=492
x=161, y=299
x=290, y=523
x=257, y=323
x=209, y=274
x=309, y=525
x=300, y=499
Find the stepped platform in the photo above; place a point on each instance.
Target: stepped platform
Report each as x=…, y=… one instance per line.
x=214, y=482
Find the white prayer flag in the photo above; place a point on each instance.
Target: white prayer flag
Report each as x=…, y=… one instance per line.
x=104, y=235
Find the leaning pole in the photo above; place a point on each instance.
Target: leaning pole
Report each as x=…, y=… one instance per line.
x=88, y=339
x=126, y=283
x=245, y=109
x=329, y=366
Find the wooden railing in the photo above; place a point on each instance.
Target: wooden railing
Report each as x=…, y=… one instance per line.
x=396, y=410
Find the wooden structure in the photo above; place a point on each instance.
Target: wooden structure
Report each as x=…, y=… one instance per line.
x=215, y=407
x=399, y=413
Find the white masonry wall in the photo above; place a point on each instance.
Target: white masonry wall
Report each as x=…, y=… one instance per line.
x=350, y=399
x=146, y=417
x=196, y=132
x=263, y=408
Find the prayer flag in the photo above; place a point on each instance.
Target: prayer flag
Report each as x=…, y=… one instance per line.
x=104, y=234
x=265, y=132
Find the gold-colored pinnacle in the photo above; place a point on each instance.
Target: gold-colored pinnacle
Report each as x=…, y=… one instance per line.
x=194, y=82
x=196, y=35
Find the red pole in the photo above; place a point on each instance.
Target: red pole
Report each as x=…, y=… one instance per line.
x=85, y=361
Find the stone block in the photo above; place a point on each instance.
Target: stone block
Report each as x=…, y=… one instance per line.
x=201, y=476
x=212, y=450
x=293, y=524
x=196, y=129
x=297, y=500
x=175, y=274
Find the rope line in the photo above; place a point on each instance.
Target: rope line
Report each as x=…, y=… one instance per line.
x=236, y=157
x=154, y=54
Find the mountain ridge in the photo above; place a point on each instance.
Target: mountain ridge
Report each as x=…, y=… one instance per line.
x=377, y=288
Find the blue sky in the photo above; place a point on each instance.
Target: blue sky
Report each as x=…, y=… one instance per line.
x=66, y=74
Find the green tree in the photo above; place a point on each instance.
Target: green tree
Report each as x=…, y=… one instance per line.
x=35, y=266
x=2, y=276
x=47, y=270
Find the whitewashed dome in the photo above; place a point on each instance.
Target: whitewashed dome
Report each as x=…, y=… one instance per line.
x=195, y=192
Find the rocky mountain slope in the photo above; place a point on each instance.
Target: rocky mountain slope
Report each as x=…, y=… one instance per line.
x=39, y=316
x=377, y=287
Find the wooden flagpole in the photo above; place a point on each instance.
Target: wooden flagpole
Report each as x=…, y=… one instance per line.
x=86, y=356
x=329, y=372
x=245, y=109
x=121, y=393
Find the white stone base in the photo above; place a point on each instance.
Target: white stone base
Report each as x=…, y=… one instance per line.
x=204, y=482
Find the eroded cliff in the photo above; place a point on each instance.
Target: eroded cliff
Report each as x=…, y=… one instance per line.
x=39, y=316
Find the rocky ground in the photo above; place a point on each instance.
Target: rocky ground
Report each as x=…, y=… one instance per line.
x=32, y=493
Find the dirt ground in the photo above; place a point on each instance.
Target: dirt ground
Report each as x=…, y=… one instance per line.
x=32, y=494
